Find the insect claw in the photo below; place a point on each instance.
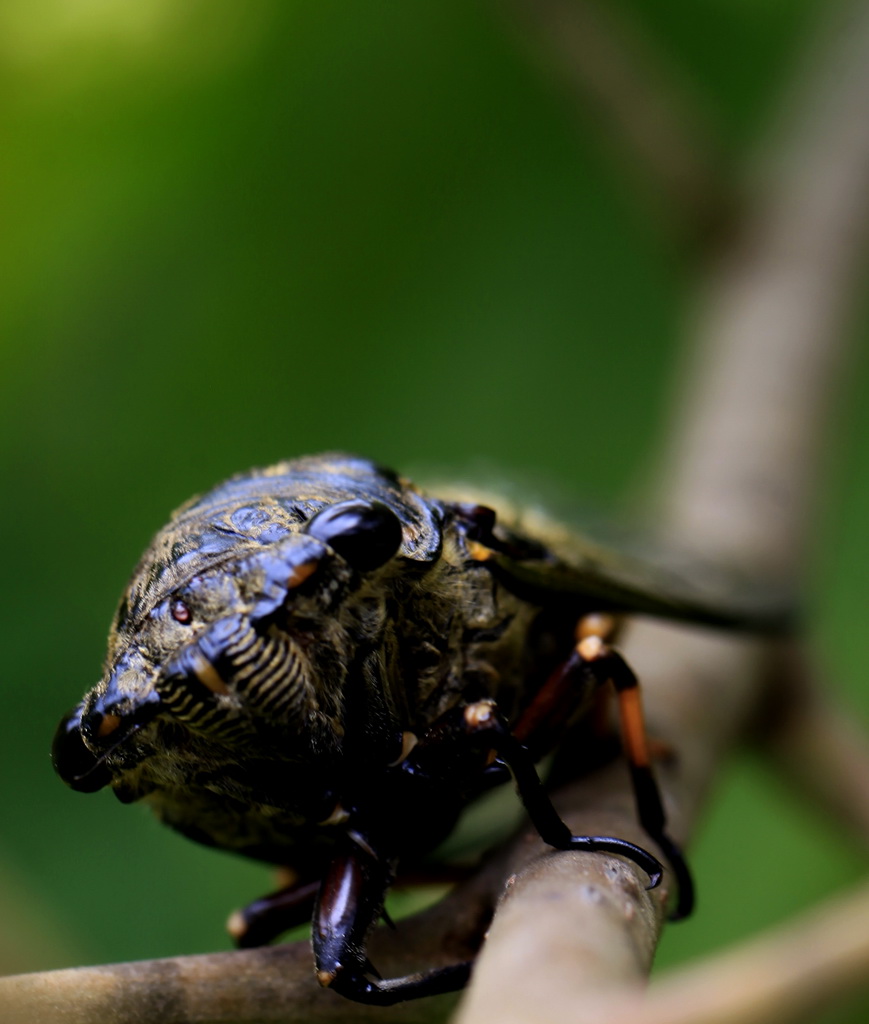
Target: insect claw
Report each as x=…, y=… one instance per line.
x=609, y=844
x=362, y=843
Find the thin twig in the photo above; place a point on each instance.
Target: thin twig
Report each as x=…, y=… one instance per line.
x=613, y=77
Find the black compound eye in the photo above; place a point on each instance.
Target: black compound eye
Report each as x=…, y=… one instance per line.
x=365, y=534
x=77, y=766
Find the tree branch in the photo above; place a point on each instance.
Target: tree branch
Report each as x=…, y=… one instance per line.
x=785, y=975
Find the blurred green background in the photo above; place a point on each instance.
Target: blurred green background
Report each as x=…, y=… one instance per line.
x=233, y=233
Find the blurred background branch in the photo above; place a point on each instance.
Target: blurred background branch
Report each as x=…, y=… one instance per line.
x=614, y=79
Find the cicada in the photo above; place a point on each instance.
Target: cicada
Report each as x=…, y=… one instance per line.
x=320, y=666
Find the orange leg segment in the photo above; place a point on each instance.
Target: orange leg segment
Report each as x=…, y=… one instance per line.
x=591, y=665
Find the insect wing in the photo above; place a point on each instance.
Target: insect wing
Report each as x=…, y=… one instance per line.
x=546, y=561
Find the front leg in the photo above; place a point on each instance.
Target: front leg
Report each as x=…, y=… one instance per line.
x=349, y=903
x=420, y=798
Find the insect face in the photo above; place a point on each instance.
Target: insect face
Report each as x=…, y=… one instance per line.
x=224, y=661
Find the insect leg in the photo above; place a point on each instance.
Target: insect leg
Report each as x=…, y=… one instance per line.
x=444, y=765
x=595, y=656
x=350, y=900
x=268, y=917
x=483, y=719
